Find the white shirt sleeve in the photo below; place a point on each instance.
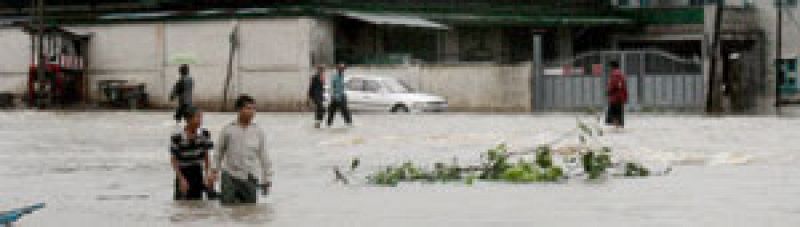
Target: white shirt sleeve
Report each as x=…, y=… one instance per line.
x=263, y=158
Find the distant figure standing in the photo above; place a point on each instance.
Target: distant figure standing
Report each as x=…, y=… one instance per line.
x=241, y=151
x=183, y=92
x=733, y=84
x=316, y=90
x=617, y=97
x=338, y=97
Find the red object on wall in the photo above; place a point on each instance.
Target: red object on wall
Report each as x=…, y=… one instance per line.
x=567, y=70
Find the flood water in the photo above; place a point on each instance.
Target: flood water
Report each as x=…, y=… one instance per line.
x=112, y=169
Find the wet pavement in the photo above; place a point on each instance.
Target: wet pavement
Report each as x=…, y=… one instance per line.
x=112, y=169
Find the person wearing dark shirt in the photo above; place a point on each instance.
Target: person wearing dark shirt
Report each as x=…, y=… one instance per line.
x=316, y=89
x=190, y=159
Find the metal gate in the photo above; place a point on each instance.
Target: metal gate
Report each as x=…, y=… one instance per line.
x=656, y=80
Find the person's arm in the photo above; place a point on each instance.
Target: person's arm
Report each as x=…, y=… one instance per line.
x=263, y=158
x=222, y=147
x=174, y=92
x=183, y=185
x=311, y=89
x=207, y=161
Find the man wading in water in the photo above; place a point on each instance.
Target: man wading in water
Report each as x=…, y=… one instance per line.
x=189, y=157
x=241, y=150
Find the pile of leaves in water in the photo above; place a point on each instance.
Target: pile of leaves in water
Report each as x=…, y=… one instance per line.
x=499, y=164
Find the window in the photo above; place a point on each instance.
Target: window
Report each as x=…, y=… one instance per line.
x=786, y=3
x=397, y=86
x=698, y=2
x=355, y=85
x=372, y=86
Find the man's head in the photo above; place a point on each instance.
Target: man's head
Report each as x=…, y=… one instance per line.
x=246, y=106
x=194, y=117
x=340, y=68
x=320, y=69
x=184, y=70
x=614, y=65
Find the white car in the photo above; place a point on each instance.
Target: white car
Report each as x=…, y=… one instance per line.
x=372, y=93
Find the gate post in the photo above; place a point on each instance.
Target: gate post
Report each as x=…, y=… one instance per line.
x=537, y=72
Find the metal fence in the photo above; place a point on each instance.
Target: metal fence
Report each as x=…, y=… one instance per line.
x=656, y=81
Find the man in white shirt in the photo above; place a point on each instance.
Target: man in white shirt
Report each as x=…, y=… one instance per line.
x=241, y=151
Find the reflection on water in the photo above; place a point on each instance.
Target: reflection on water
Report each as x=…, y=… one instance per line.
x=212, y=211
x=112, y=169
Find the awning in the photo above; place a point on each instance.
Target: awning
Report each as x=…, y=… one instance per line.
x=389, y=19
x=133, y=16
x=536, y=20
x=5, y=21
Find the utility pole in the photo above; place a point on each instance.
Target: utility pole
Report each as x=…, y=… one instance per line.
x=40, y=63
x=778, y=55
x=713, y=98
x=234, y=44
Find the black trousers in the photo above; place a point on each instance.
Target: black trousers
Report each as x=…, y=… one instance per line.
x=616, y=113
x=319, y=109
x=180, y=112
x=194, y=175
x=339, y=105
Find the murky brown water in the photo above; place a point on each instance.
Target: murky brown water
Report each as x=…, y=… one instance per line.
x=112, y=169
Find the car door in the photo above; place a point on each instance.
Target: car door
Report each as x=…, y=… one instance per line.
x=373, y=95
x=355, y=94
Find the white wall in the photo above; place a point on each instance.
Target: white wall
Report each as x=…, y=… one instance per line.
x=209, y=42
x=322, y=39
x=275, y=62
x=272, y=62
x=15, y=57
x=125, y=52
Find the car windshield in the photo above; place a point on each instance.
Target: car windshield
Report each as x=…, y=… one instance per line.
x=397, y=86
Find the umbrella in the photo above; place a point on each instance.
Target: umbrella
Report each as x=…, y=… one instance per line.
x=183, y=58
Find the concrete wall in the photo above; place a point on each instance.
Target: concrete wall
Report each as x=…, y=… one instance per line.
x=15, y=57
x=272, y=63
x=467, y=87
x=765, y=18
x=131, y=52
x=322, y=42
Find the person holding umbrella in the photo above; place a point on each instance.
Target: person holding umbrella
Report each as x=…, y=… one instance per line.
x=182, y=90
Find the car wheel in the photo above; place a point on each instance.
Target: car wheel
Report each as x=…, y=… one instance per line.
x=399, y=108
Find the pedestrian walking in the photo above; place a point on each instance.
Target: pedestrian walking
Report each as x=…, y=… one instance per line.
x=182, y=90
x=339, y=97
x=316, y=90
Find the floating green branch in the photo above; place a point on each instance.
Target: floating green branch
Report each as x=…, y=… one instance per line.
x=530, y=167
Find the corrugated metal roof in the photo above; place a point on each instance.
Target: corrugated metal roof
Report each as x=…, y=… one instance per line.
x=132, y=16
x=538, y=20
x=390, y=19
